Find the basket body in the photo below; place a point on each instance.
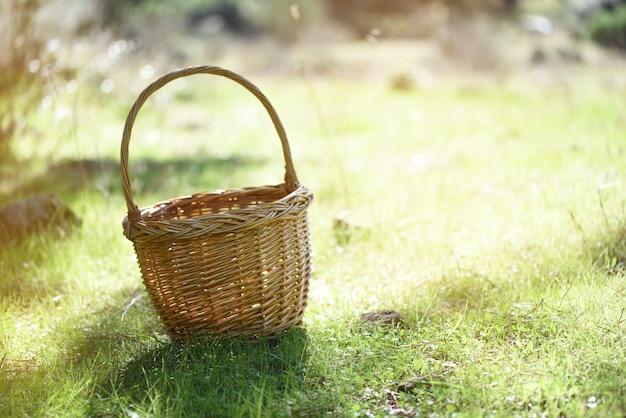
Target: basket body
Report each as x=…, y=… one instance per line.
x=223, y=263
x=229, y=263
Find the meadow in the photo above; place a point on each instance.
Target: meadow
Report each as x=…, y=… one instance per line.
x=487, y=211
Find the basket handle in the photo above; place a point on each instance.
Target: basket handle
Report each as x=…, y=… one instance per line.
x=291, y=180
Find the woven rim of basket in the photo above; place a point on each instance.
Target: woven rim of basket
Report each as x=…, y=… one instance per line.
x=144, y=230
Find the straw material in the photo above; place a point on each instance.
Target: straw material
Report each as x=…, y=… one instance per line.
x=223, y=263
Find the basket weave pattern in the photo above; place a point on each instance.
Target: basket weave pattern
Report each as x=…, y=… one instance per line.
x=223, y=263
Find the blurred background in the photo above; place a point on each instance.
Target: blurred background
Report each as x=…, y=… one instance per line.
x=100, y=47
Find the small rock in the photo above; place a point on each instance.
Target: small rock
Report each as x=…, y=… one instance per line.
x=35, y=214
x=384, y=317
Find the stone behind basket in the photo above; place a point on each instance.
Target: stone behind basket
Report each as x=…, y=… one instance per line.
x=223, y=263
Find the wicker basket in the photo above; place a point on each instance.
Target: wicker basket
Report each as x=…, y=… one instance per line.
x=223, y=263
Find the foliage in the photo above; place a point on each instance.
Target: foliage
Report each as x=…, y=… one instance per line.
x=20, y=86
x=425, y=15
x=608, y=27
x=244, y=18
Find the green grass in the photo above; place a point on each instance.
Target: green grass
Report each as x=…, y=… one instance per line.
x=492, y=219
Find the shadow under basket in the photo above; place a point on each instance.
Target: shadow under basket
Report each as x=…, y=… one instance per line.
x=223, y=263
